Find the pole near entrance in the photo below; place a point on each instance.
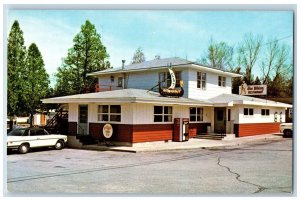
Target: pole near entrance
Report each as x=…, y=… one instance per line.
x=107, y=133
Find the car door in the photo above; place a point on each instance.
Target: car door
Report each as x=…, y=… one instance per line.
x=33, y=138
x=43, y=138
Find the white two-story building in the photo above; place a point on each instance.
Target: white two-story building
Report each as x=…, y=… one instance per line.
x=128, y=99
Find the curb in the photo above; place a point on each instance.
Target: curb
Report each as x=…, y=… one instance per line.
x=232, y=145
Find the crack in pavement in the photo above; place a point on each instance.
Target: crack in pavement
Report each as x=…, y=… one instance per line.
x=260, y=188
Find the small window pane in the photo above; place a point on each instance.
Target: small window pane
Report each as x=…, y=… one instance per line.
x=193, y=118
x=192, y=110
x=245, y=111
x=115, y=109
x=157, y=118
x=167, y=118
x=167, y=110
x=267, y=112
x=120, y=82
x=104, y=117
x=250, y=111
x=115, y=118
x=220, y=116
x=203, y=85
x=158, y=109
x=263, y=112
x=103, y=109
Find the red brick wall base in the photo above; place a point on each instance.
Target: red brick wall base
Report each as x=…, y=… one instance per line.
x=242, y=130
x=134, y=133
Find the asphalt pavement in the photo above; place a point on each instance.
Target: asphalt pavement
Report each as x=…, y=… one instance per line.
x=256, y=168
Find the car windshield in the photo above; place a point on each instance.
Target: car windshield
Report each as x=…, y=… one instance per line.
x=17, y=132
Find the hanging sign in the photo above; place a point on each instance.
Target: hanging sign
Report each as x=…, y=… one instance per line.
x=252, y=90
x=107, y=131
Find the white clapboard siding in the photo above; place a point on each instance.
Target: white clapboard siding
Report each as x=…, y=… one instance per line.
x=73, y=112
x=257, y=117
x=212, y=88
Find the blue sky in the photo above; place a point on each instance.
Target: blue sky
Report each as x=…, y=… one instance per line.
x=183, y=34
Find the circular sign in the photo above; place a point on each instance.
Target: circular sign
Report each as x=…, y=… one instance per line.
x=107, y=131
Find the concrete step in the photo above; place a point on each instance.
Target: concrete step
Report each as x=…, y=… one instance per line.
x=211, y=136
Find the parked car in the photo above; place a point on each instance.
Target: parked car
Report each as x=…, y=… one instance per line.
x=286, y=129
x=24, y=139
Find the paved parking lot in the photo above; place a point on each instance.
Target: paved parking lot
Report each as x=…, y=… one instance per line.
x=261, y=168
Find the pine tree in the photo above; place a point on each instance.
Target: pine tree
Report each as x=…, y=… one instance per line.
x=87, y=55
x=36, y=80
x=16, y=53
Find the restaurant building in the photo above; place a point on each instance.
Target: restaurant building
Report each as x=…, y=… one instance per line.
x=128, y=99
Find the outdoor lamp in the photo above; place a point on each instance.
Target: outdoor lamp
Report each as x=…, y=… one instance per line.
x=275, y=117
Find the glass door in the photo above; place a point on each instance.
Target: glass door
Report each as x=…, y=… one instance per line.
x=83, y=120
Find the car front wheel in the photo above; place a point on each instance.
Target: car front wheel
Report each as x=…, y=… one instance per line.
x=287, y=133
x=59, y=145
x=23, y=148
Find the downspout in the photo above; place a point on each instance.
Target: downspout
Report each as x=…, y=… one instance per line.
x=123, y=77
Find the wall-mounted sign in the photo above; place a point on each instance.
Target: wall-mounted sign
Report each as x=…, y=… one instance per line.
x=252, y=90
x=107, y=131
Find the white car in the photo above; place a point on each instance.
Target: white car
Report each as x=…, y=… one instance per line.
x=23, y=139
x=286, y=129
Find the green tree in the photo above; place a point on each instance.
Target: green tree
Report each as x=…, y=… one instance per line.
x=36, y=81
x=236, y=81
x=138, y=56
x=257, y=81
x=219, y=55
x=16, y=53
x=87, y=55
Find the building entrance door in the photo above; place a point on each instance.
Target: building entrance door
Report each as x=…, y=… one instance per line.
x=83, y=120
x=220, y=120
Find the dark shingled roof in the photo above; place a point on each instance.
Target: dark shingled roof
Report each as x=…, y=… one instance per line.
x=175, y=61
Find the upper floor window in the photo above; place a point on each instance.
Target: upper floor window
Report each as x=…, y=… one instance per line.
x=265, y=112
x=222, y=81
x=109, y=113
x=165, y=78
x=162, y=114
x=120, y=82
x=196, y=114
x=201, y=80
x=248, y=111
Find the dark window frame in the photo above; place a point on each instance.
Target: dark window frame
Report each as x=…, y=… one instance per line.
x=222, y=81
x=166, y=114
x=201, y=80
x=107, y=115
x=265, y=112
x=248, y=111
x=198, y=115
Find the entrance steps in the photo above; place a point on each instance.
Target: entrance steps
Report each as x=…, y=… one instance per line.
x=211, y=136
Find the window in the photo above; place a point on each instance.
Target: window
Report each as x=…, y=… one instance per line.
x=196, y=114
x=201, y=80
x=120, y=82
x=248, y=111
x=36, y=132
x=265, y=112
x=165, y=78
x=109, y=113
x=162, y=114
x=222, y=81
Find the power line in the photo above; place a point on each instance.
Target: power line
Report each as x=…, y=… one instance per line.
x=276, y=40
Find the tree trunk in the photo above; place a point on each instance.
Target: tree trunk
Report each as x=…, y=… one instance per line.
x=11, y=122
x=31, y=118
